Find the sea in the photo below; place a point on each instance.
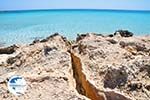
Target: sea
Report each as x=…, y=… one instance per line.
x=22, y=27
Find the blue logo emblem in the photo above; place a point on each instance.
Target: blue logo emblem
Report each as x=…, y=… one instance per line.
x=17, y=85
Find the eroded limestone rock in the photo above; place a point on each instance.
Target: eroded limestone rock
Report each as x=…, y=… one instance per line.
x=124, y=33
x=8, y=50
x=46, y=66
x=117, y=67
x=94, y=67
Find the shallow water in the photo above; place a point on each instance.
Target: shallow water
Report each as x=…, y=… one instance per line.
x=19, y=27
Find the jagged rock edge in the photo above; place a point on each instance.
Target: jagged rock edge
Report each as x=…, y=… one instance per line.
x=84, y=87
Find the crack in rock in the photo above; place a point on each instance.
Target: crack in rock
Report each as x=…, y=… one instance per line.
x=85, y=88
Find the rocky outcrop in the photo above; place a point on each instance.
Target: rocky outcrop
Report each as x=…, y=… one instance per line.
x=8, y=50
x=83, y=86
x=95, y=67
x=117, y=67
x=124, y=33
x=46, y=66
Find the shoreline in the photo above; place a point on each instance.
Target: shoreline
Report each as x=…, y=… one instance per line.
x=2, y=44
x=95, y=67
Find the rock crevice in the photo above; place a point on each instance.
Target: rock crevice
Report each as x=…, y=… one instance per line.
x=94, y=67
x=83, y=86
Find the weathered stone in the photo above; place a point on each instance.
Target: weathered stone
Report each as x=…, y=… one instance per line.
x=94, y=67
x=111, y=68
x=8, y=50
x=81, y=36
x=46, y=66
x=110, y=35
x=112, y=41
x=124, y=33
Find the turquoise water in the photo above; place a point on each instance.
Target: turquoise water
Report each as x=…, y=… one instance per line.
x=25, y=26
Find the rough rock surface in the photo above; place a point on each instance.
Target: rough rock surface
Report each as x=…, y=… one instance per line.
x=124, y=33
x=46, y=66
x=94, y=67
x=117, y=68
x=8, y=50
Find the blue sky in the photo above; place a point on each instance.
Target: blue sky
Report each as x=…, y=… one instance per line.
x=74, y=4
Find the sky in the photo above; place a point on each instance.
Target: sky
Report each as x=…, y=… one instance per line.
x=74, y=4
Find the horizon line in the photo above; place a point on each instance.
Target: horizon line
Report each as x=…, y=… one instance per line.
x=75, y=9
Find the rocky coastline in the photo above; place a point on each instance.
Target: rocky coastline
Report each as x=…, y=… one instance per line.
x=94, y=67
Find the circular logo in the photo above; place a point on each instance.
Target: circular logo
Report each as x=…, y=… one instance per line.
x=17, y=85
